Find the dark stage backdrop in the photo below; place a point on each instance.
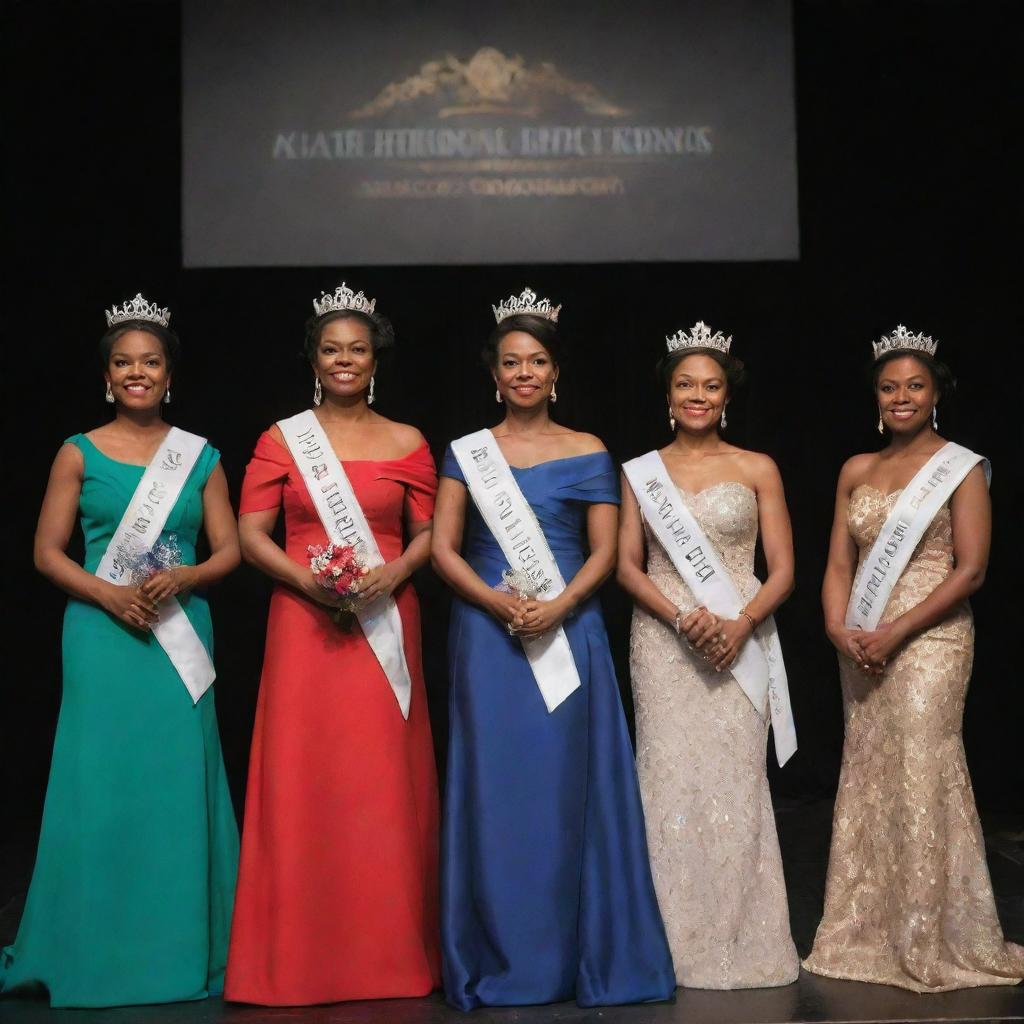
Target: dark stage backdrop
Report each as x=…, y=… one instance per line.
x=402, y=132
x=907, y=212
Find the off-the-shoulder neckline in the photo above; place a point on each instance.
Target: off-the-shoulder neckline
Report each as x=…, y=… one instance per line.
x=356, y=462
x=564, y=458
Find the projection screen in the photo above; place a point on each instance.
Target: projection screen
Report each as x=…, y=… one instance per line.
x=403, y=132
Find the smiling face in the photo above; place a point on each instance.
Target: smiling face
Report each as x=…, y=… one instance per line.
x=344, y=359
x=906, y=395
x=137, y=370
x=697, y=394
x=525, y=372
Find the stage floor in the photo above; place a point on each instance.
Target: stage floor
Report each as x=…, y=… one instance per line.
x=804, y=836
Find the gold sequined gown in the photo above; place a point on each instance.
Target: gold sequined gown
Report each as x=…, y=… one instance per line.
x=908, y=899
x=701, y=762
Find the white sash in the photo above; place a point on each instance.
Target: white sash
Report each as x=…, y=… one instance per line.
x=758, y=669
x=913, y=512
x=140, y=528
x=343, y=519
x=514, y=526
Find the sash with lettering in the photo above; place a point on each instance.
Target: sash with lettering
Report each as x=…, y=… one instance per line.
x=514, y=526
x=343, y=519
x=140, y=528
x=914, y=510
x=758, y=669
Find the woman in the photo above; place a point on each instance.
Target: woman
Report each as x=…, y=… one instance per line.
x=908, y=900
x=546, y=889
x=701, y=720
x=337, y=889
x=131, y=895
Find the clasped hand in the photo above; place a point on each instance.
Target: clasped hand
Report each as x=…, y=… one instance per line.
x=870, y=649
x=168, y=583
x=530, y=618
x=718, y=640
x=381, y=581
x=138, y=607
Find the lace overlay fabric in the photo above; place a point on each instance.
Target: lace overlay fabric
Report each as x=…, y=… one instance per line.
x=908, y=899
x=701, y=763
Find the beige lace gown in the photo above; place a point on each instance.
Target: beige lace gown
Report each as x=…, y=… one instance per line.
x=701, y=762
x=908, y=899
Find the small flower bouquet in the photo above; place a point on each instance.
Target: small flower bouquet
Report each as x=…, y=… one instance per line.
x=141, y=565
x=518, y=582
x=338, y=569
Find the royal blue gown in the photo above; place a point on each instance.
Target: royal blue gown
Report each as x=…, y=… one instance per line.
x=546, y=890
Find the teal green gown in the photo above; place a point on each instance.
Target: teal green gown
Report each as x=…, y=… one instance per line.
x=131, y=895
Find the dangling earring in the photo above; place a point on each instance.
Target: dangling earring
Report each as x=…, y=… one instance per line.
x=935, y=417
x=167, y=395
x=318, y=392
x=109, y=396
x=672, y=422
x=881, y=429
x=554, y=394
x=371, y=396
x=497, y=396
x=725, y=422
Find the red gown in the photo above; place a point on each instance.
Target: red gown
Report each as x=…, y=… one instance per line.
x=337, y=887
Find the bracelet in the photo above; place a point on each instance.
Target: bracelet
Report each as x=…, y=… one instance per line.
x=750, y=619
x=678, y=621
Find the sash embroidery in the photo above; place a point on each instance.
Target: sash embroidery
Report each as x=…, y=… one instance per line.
x=514, y=526
x=759, y=669
x=345, y=523
x=913, y=512
x=141, y=525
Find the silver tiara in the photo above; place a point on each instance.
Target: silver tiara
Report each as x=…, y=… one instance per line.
x=526, y=303
x=900, y=339
x=699, y=336
x=138, y=309
x=343, y=298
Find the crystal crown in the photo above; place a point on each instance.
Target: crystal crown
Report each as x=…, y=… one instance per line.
x=343, y=298
x=901, y=339
x=138, y=309
x=526, y=303
x=699, y=336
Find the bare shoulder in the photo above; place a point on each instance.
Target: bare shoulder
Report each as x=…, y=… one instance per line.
x=580, y=443
x=857, y=468
x=403, y=437
x=975, y=484
x=757, y=465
